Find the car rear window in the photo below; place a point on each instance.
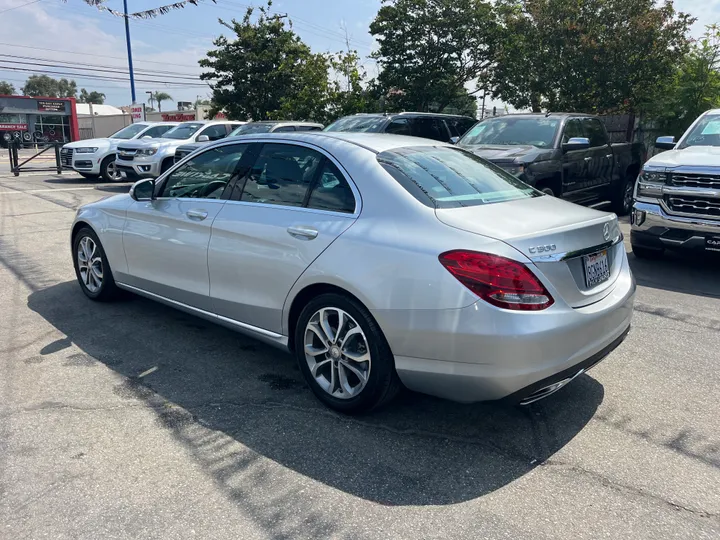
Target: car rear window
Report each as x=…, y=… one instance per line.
x=449, y=177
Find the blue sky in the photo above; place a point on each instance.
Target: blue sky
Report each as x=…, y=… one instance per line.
x=45, y=29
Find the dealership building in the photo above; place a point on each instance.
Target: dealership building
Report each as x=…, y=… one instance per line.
x=38, y=119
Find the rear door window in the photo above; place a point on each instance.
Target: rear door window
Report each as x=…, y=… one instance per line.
x=448, y=177
x=282, y=129
x=281, y=175
x=429, y=128
x=331, y=191
x=157, y=131
x=595, y=131
x=459, y=126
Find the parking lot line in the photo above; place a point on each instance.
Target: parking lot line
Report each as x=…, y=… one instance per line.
x=44, y=190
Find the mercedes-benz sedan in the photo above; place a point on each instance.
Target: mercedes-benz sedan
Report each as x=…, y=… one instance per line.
x=377, y=260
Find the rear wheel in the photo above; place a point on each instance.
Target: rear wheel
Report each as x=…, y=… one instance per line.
x=547, y=190
x=92, y=268
x=646, y=253
x=344, y=356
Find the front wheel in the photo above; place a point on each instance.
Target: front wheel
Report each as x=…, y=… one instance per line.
x=92, y=268
x=109, y=171
x=344, y=356
x=623, y=199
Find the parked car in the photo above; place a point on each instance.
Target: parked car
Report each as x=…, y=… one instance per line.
x=677, y=197
x=376, y=259
x=252, y=128
x=566, y=155
x=439, y=127
x=93, y=158
x=149, y=159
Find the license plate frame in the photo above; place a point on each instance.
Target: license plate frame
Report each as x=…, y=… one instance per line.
x=712, y=243
x=596, y=267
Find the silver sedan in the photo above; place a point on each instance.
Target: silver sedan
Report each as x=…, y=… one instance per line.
x=377, y=260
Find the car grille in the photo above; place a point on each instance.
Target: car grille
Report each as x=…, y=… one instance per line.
x=695, y=180
x=179, y=154
x=700, y=206
x=66, y=155
x=126, y=154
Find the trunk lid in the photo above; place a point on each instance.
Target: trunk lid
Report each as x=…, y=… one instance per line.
x=543, y=229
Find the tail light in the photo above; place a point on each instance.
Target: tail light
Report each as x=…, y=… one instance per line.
x=502, y=282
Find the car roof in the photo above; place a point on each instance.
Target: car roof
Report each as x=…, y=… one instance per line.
x=285, y=122
x=411, y=113
x=544, y=115
x=375, y=142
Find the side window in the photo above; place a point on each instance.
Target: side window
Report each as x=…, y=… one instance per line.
x=595, y=131
x=572, y=129
x=284, y=129
x=281, y=175
x=429, y=128
x=308, y=128
x=399, y=126
x=458, y=126
x=331, y=191
x=214, y=133
x=156, y=131
x=206, y=175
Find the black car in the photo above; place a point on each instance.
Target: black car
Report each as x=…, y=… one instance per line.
x=567, y=155
x=440, y=127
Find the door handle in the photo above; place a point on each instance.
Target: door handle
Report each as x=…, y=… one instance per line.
x=588, y=158
x=302, y=232
x=609, y=156
x=197, y=215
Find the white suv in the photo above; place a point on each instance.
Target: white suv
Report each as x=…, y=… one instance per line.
x=94, y=158
x=149, y=159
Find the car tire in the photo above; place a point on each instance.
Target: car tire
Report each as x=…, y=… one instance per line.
x=647, y=253
x=87, y=248
x=547, y=190
x=337, y=386
x=108, y=171
x=623, y=199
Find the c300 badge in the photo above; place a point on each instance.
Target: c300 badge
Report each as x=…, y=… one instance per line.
x=543, y=249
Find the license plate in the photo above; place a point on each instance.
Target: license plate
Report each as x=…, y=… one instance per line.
x=597, y=269
x=712, y=243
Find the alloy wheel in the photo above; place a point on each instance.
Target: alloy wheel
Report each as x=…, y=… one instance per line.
x=90, y=264
x=113, y=173
x=337, y=353
x=628, y=196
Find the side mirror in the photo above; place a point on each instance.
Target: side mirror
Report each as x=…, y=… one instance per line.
x=203, y=138
x=576, y=143
x=143, y=190
x=665, y=143
x=145, y=137
x=454, y=140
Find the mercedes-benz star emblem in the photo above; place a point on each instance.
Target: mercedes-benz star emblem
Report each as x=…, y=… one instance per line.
x=606, y=231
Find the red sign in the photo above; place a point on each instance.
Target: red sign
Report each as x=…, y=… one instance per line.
x=137, y=112
x=50, y=106
x=18, y=127
x=220, y=116
x=179, y=117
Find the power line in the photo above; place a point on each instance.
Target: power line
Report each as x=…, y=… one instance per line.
x=94, y=55
x=119, y=87
x=21, y=5
x=103, y=77
x=91, y=68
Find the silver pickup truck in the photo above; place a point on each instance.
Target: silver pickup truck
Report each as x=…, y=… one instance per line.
x=677, y=195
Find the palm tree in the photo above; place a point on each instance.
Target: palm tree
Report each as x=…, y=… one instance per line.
x=159, y=97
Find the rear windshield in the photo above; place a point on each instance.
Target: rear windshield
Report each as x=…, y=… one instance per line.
x=358, y=123
x=449, y=177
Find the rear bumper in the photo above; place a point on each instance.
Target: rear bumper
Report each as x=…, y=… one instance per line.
x=659, y=230
x=480, y=353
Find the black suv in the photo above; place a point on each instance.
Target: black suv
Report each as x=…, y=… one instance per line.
x=440, y=127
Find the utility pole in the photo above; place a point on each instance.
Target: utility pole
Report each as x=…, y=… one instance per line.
x=129, y=49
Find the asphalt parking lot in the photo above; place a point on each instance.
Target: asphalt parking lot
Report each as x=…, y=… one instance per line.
x=132, y=420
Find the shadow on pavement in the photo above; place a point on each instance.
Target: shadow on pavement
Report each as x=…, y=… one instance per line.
x=211, y=384
x=691, y=273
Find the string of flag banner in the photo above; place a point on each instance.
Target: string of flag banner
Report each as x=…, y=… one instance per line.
x=149, y=13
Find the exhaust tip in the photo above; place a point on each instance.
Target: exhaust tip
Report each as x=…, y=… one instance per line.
x=550, y=389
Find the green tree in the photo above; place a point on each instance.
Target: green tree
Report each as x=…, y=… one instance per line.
x=6, y=89
x=96, y=98
x=265, y=71
x=587, y=55
x=695, y=86
x=159, y=97
x=42, y=85
x=430, y=49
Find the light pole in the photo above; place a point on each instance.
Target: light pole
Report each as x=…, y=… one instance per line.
x=127, y=39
